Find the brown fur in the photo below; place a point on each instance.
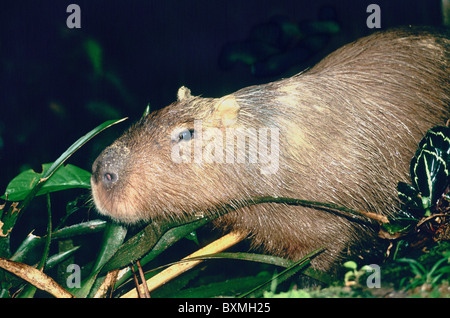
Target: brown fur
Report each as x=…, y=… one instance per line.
x=348, y=129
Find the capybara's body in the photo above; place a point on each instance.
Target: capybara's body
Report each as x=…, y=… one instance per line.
x=342, y=132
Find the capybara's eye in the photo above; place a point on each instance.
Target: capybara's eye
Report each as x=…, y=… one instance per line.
x=186, y=135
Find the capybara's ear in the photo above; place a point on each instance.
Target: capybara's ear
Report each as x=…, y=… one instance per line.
x=226, y=111
x=183, y=93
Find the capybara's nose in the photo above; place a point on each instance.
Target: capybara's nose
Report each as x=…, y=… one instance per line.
x=109, y=166
x=108, y=178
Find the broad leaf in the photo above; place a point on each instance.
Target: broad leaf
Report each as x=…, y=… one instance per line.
x=66, y=177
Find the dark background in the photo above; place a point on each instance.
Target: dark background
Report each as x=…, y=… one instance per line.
x=50, y=93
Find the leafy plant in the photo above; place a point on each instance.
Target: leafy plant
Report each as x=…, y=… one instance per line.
x=352, y=277
x=425, y=199
x=429, y=171
x=24, y=188
x=424, y=277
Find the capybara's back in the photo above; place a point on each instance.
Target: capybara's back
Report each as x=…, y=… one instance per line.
x=342, y=132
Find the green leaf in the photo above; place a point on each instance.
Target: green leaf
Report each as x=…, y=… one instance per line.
x=400, y=226
x=410, y=196
x=252, y=257
x=193, y=237
x=79, y=143
x=36, y=185
x=416, y=268
x=285, y=274
x=94, y=52
x=429, y=168
x=436, y=266
x=146, y=111
x=80, y=229
x=37, y=181
x=28, y=244
x=439, y=137
x=350, y=265
x=151, y=241
x=429, y=173
x=32, y=242
x=68, y=177
x=223, y=288
x=154, y=237
x=112, y=239
x=54, y=260
x=259, y=258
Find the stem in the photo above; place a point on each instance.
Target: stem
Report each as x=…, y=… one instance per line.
x=49, y=235
x=320, y=205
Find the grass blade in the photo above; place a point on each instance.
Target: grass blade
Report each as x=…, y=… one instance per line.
x=288, y=272
x=52, y=169
x=112, y=239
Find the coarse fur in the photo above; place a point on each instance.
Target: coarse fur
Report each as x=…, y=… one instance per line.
x=348, y=129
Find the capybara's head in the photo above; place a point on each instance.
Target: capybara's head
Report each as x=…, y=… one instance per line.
x=194, y=155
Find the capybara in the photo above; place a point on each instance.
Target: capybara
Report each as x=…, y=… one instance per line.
x=342, y=132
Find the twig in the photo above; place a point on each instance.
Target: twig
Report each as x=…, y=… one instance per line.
x=429, y=218
x=107, y=286
x=144, y=283
x=35, y=277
